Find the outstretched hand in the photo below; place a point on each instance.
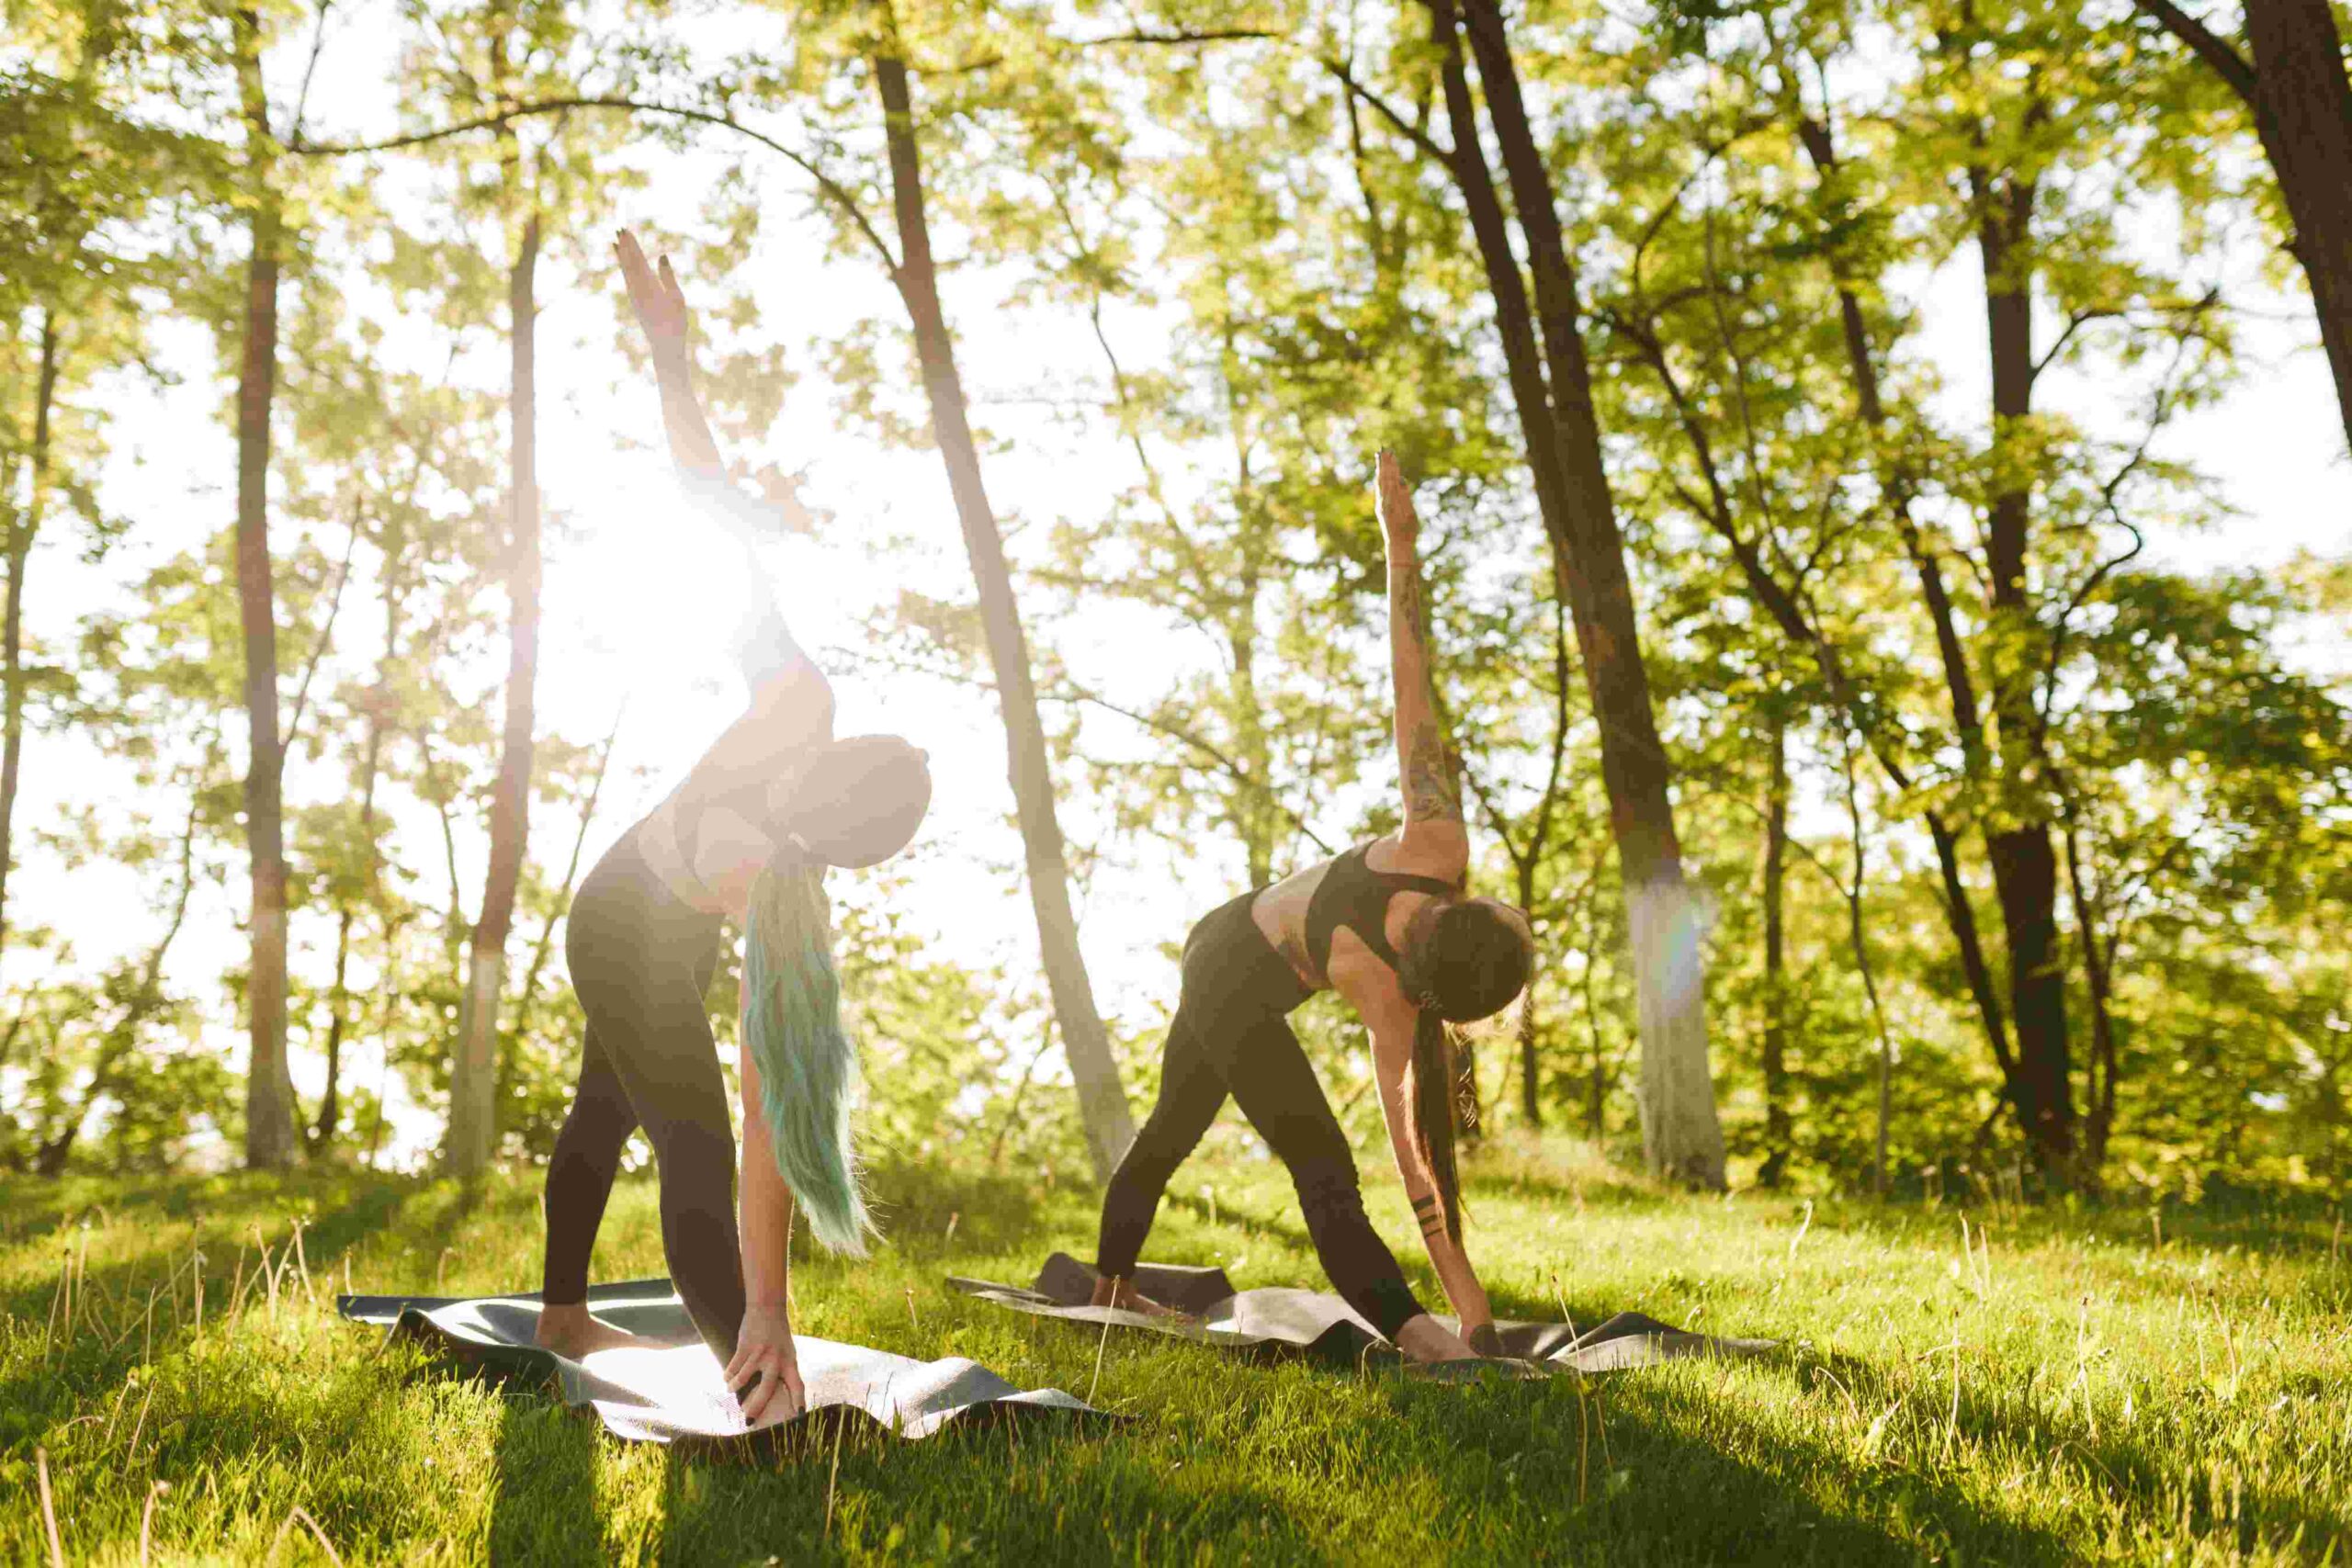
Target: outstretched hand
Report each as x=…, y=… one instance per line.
x=660, y=303
x=1395, y=500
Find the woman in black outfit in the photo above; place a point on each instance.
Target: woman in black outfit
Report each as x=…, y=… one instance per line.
x=1388, y=927
x=774, y=800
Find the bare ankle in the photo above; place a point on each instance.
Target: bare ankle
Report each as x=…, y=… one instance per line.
x=1426, y=1339
x=561, y=1321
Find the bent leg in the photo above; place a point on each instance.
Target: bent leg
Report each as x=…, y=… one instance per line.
x=1276, y=1089
x=1192, y=1091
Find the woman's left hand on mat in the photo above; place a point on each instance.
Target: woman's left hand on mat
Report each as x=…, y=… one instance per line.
x=765, y=1372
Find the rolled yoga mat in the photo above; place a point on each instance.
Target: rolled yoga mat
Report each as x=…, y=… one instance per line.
x=1319, y=1323
x=674, y=1393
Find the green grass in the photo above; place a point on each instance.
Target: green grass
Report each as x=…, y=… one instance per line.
x=2079, y=1390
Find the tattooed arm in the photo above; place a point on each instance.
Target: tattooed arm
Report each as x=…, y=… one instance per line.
x=1391, y=1055
x=1434, y=837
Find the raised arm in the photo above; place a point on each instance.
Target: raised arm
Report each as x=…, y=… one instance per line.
x=661, y=306
x=1433, y=837
x=784, y=684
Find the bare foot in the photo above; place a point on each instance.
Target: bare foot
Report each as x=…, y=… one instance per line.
x=1425, y=1340
x=1112, y=1292
x=572, y=1332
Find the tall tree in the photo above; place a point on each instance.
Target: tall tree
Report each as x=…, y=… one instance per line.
x=1102, y=1104
x=270, y=1136
x=2294, y=80
x=1778, y=1132
x=24, y=527
x=89, y=189
x=1551, y=382
x=473, y=1075
x=489, y=68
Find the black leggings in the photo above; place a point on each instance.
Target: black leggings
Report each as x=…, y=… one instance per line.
x=640, y=962
x=1231, y=1035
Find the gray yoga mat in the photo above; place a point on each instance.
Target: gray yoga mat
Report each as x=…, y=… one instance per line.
x=672, y=1392
x=1317, y=1323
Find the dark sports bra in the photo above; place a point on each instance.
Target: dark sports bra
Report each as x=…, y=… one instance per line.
x=1353, y=894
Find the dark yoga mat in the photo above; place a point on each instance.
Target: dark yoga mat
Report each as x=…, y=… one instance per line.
x=1321, y=1323
x=673, y=1394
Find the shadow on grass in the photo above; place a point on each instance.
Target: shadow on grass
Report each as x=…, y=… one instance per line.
x=141, y=1306
x=2165, y=1485
x=1000, y=1490
x=1643, y=1467
x=545, y=1506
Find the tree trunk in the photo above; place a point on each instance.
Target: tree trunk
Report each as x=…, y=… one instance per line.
x=12, y=635
x=473, y=1076
x=1103, y=1103
x=1531, y=1102
x=270, y=1135
x=2025, y=865
x=1682, y=1136
x=1960, y=909
x=2099, y=961
x=1777, y=1132
x=2297, y=90
x=2304, y=106
x=146, y=1000
x=526, y=995
x=323, y=1130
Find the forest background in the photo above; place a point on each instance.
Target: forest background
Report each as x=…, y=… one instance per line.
x=1884, y=480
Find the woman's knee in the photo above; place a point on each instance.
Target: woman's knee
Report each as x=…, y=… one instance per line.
x=1328, y=1195
x=591, y=1143
x=687, y=1145
x=1142, y=1171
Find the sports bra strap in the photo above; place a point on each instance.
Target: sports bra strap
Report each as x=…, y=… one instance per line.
x=1353, y=894
x=1410, y=882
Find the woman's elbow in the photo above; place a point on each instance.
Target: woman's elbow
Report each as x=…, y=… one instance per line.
x=797, y=697
x=1439, y=846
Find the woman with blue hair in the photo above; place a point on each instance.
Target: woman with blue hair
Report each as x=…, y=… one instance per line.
x=747, y=837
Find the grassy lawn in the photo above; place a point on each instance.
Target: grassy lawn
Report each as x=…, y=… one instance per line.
x=2078, y=1387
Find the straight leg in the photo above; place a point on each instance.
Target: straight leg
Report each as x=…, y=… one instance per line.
x=637, y=961
x=1275, y=1085
x=580, y=1175
x=1192, y=1091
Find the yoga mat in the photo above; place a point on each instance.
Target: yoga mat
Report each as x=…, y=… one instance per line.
x=1319, y=1323
x=672, y=1393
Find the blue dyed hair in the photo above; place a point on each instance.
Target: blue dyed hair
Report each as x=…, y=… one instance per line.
x=807, y=1061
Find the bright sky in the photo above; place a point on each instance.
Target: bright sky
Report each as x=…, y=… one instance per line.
x=624, y=599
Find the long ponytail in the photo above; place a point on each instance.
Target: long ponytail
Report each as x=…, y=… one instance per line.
x=807, y=1061
x=1431, y=1100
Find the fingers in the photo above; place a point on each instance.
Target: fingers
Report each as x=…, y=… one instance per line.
x=756, y=1402
x=777, y=1392
x=670, y=284
x=739, y=1365
x=632, y=257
